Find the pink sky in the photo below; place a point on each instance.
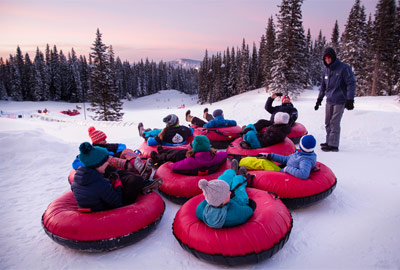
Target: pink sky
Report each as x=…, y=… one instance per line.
x=157, y=29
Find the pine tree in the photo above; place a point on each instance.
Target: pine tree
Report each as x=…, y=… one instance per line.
x=55, y=75
x=397, y=51
x=269, y=55
x=364, y=79
x=243, y=71
x=335, y=43
x=308, y=60
x=232, y=76
x=104, y=101
x=384, y=38
x=353, y=40
x=15, y=81
x=288, y=73
x=254, y=69
x=317, y=64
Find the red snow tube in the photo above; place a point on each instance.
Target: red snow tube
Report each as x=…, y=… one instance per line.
x=219, y=137
x=293, y=191
x=101, y=231
x=285, y=148
x=146, y=149
x=298, y=131
x=179, y=188
x=264, y=234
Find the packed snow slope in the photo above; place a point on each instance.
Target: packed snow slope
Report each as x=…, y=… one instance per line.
x=356, y=227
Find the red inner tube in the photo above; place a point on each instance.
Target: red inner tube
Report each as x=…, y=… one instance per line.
x=218, y=134
x=270, y=224
x=285, y=148
x=298, y=131
x=63, y=219
x=184, y=186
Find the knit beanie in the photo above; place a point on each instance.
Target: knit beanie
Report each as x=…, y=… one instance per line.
x=217, y=112
x=281, y=118
x=215, y=191
x=201, y=144
x=171, y=120
x=285, y=97
x=307, y=143
x=96, y=135
x=92, y=156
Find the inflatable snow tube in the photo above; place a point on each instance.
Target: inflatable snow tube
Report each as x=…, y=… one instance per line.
x=264, y=234
x=298, y=131
x=146, y=149
x=101, y=231
x=295, y=192
x=235, y=151
x=219, y=138
x=179, y=188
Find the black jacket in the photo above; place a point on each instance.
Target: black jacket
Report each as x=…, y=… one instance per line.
x=286, y=107
x=273, y=134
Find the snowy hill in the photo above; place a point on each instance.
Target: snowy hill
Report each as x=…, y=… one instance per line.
x=185, y=63
x=356, y=227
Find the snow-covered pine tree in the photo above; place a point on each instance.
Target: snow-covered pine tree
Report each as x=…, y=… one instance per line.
x=308, y=60
x=269, y=54
x=55, y=82
x=289, y=72
x=84, y=71
x=397, y=51
x=42, y=71
x=74, y=82
x=364, y=79
x=254, y=69
x=353, y=40
x=102, y=94
x=15, y=81
x=203, y=79
x=243, y=71
x=217, y=92
x=19, y=59
x=335, y=43
x=232, y=77
x=317, y=64
x=383, y=44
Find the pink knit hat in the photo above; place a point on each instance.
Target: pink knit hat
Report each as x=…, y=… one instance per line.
x=96, y=135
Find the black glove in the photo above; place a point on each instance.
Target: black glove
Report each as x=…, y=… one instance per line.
x=319, y=101
x=349, y=104
x=264, y=155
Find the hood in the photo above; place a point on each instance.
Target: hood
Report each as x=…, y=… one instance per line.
x=331, y=52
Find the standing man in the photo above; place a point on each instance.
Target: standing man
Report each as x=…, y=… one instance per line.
x=339, y=86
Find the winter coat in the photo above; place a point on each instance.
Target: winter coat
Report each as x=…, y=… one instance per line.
x=175, y=135
x=200, y=162
x=220, y=122
x=114, y=149
x=237, y=211
x=338, y=83
x=285, y=107
x=92, y=190
x=298, y=164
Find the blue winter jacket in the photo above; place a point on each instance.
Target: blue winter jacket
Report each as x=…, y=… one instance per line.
x=220, y=122
x=338, y=83
x=298, y=164
x=92, y=190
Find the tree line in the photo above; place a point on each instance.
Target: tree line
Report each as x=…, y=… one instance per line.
x=289, y=61
x=54, y=76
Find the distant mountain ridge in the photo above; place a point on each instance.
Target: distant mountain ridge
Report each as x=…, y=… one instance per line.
x=185, y=63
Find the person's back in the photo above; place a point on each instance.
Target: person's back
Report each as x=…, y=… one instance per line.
x=92, y=190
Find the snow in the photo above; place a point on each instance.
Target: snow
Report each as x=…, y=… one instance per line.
x=356, y=227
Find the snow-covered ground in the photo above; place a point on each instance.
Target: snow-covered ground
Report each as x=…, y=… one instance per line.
x=356, y=227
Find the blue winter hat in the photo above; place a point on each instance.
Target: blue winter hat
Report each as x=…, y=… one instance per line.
x=92, y=156
x=201, y=144
x=217, y=112
x=171, y=120
x=307, y=143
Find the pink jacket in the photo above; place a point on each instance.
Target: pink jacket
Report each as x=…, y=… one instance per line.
x=201, y=160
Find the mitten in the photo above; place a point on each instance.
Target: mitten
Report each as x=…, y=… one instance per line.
x=264, y=155
x=349, y=104
x=319, y=101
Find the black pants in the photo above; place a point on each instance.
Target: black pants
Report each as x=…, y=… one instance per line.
x=262, y=123
x=132, y=186
x=198, y=122
x=173, y=155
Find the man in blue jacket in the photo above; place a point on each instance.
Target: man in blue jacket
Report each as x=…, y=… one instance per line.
x=339, y=86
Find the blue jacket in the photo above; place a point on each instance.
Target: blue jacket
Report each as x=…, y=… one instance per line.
x=92, y=190
x=338, y=83
x=298, y=164
x=220, y=122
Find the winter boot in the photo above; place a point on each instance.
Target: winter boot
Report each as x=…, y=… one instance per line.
x=244, y=145
x=188, y=116
x=152, y=185
x=235, y=165
x=242, y=171
x=141, y=129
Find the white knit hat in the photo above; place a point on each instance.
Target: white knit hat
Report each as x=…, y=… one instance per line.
x=281, y=118
x=215, y=191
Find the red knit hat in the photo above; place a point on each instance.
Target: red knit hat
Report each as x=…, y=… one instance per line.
x=96, y=135
x=285, y=97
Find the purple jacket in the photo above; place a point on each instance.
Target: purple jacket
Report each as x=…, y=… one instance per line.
x=201, y=161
